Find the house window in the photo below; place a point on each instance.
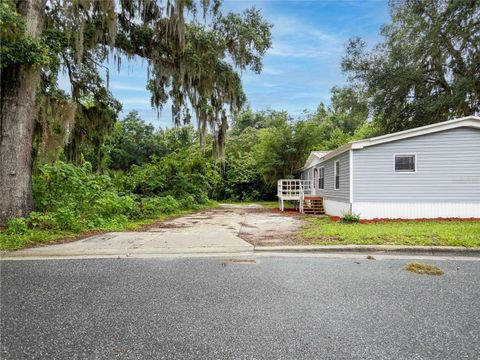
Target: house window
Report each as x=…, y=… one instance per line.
x=321, y=178
x=337, y=174
x=404, y=163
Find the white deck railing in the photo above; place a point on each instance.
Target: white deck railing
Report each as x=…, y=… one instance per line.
x=294, y=188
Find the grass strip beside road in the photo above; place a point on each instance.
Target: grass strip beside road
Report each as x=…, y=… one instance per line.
x=323, y=231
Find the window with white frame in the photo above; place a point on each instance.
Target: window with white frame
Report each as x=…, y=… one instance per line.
x=321, y=178
x=405, y=163
x=337, y=174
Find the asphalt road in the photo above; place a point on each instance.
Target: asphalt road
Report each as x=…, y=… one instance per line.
x=276, y=308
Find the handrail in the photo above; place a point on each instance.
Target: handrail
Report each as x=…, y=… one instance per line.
x=294, y=187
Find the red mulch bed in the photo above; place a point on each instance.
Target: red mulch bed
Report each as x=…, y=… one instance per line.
x=286, y=211
x=381, y=220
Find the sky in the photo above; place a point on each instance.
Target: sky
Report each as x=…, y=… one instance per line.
x=303, y=64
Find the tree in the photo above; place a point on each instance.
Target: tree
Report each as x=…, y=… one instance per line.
x=348, y=108
x=284, y=146
x=248, y=118
x=190, y=62
x=242, y=179
x=135, y=142
x=426, y=69
x=21, y=56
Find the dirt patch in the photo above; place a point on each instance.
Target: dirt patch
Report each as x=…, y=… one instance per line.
x=200, y=218
x=271, y=227
x=324, y=239
x=286, y=212
x=248, y=225
x=160, y=223
x=170, y=225
x=256, y=210
x=423, y=269
x=270, y=239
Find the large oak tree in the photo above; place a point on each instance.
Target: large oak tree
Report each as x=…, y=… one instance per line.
x=426, y=69
x=192, y=51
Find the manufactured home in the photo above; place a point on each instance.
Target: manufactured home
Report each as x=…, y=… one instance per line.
x=427, y=172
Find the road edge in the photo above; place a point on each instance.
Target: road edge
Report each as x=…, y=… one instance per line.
x=378, y=249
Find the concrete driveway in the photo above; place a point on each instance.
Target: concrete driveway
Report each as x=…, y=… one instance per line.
x=221, y=230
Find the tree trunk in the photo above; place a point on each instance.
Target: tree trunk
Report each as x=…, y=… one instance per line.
x=17, y=120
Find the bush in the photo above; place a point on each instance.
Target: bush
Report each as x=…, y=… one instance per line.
x=150, y=207
x=17, y=226
x=61, y=185
x=181, y=174
x=111, y=205
x=350, y=218
x=155, y=206
x=73, y=199
x=66, y=218
x=188, y=202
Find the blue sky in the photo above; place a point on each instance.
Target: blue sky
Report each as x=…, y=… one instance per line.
x=302, y=66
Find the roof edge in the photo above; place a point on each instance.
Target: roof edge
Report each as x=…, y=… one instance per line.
x=468, y=121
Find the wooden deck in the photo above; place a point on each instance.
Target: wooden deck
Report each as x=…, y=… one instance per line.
x=313, y=205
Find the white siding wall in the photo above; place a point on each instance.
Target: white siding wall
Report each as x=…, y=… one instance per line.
x=336, y=201
x=329, y=192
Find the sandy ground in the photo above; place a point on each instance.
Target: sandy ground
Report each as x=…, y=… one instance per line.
x=252, y=223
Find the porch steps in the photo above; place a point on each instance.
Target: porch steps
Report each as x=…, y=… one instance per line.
x=313, y=205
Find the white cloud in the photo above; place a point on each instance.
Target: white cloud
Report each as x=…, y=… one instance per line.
x=115, y=85
x=281, y=48
x=133, y=101
x=292, y=37
x=291, y=26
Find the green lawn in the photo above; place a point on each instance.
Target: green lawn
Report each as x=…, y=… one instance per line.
x=323, y=231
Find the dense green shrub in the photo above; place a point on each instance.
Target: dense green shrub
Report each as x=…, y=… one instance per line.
x=61, y=185
x=154, y=206
x=181, y=174
x=74, y=198
x=17, y=226
x=350, y=218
